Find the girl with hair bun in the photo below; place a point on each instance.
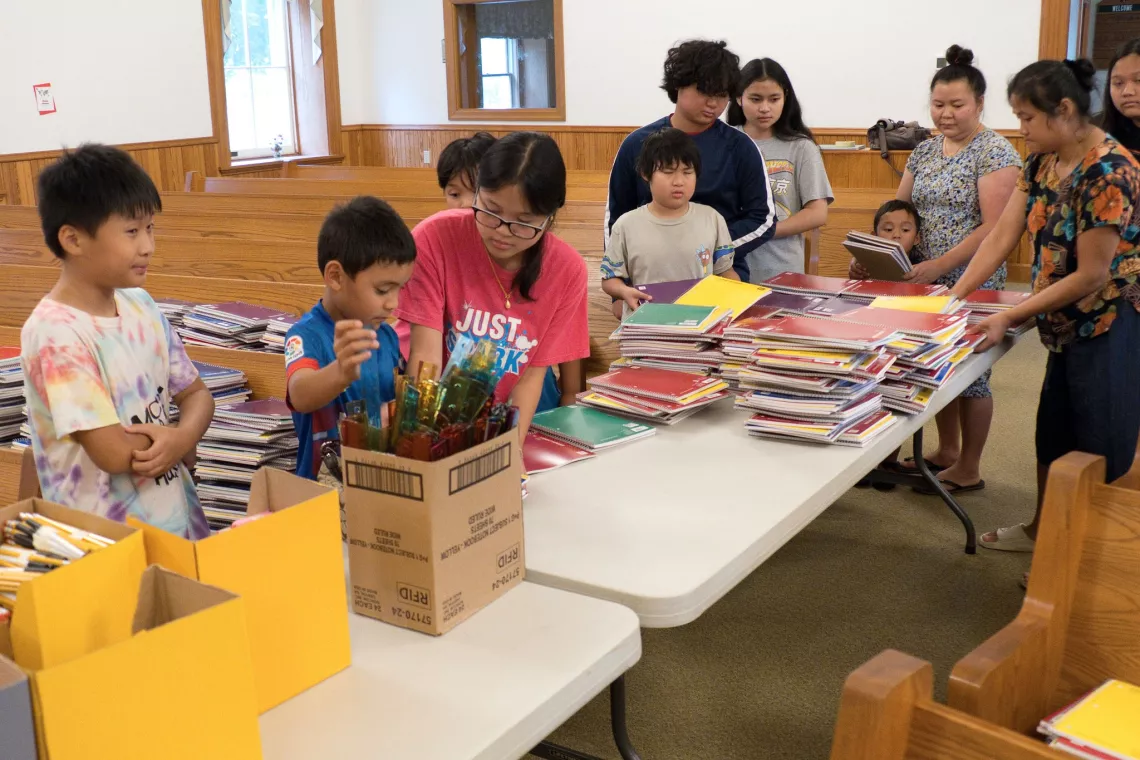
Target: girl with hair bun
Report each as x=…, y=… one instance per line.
x=1078, y=199
x=959, y=180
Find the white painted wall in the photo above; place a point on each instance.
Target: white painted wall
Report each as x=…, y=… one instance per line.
x=353, y=23
x=121, y=71
x=851, y=61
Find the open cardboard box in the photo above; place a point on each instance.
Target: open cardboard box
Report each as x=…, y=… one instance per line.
x=83, y=606
x=179, y=687
x=431, y=543
x=289, y=569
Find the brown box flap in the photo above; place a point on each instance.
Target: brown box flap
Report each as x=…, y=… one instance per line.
x=165, y=596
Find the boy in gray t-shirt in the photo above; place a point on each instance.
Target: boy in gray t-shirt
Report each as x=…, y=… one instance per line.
x=670, y=238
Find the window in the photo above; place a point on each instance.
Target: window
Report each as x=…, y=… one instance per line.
x=498, y=66
x=259, y=80
x=504, y=59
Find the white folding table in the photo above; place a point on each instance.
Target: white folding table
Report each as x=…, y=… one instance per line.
x=490, y=689
x=670, y=524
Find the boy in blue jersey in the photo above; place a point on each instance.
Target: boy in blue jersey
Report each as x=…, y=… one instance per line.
x=343, y=350
x=700, y=77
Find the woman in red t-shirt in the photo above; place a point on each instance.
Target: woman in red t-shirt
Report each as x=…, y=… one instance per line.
x=495, y=271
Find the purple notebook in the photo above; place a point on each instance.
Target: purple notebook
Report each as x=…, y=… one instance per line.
x=792, y=302
x=270, y=407
x=245, y=310
x=833, y=307
x=667, y=292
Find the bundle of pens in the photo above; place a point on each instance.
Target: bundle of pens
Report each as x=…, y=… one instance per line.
x=433, y=419
x=33, y=545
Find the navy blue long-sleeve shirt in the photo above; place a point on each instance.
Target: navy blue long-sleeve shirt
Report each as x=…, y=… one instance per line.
x=733, y=180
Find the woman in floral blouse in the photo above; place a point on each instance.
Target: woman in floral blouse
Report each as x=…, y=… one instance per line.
x=1079, y=198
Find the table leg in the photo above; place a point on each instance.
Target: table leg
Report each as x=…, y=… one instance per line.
x=550, y=751
x=925, y=477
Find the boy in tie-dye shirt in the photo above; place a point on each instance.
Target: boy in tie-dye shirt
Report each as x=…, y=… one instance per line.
x=101, y=363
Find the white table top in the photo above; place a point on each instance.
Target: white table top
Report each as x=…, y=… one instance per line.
x=490, y=689
x=670, y=524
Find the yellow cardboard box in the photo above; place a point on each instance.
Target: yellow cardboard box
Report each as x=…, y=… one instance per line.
x=289, y=569
x=432, y=543
x=84, y=606
x=180, y=687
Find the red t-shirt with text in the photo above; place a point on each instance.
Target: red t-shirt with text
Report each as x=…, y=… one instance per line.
x=454, y=290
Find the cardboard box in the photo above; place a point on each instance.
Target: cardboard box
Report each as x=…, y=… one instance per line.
x=17, y=729
x=430, y=543
x=180, y=687
x=289, y=569
x=84, y=606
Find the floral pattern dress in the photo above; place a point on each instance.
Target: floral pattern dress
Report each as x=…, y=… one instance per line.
x=946, y=196
x=1102, y=191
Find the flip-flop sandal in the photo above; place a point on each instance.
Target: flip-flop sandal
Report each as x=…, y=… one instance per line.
x=951, y=488
x=1011, y=539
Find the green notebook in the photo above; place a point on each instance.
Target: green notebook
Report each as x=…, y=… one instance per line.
x=669, y=315
x=588, y=428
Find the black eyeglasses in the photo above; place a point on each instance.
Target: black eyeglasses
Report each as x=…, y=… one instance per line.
x=520, y=230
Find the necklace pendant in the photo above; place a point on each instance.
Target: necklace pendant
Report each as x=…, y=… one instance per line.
x=508, y=303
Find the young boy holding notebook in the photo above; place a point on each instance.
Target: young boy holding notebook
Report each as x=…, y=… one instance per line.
x=670, y=238
x=343, y=350
x=896, y=221
x=101, y=363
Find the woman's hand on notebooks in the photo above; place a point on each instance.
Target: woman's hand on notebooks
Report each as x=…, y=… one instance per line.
x=994, y=327
x=925, y=272
x=168, y=445
x=856, y=271
x=353, y=344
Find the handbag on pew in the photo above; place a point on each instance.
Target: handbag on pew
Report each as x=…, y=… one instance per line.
x=887, y=135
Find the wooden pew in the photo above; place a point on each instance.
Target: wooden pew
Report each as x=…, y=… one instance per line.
x=301, y=170
x=266, y=372
x=864, y=168
x=887, y=712
x=1079, y=622
x=18, y=479
x=405, y=202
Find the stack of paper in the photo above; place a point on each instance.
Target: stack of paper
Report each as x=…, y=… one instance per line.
x=274, y=338
x=1100, y=726
x=883, y=259
x=672, y=336
x=13, y=413
x=869, y=290
x=242, y=438
x=587, y=428
x=227, y=385
x=228, y=325
x=982, y=303
x=813, y=379
x=648, y=393
x=809, y=284
x=174, y=310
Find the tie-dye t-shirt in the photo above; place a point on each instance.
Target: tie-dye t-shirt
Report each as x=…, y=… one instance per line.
x=83, y=372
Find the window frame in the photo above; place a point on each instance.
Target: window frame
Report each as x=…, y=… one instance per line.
x=290, y=149
x=452, y=62
x=312, y=142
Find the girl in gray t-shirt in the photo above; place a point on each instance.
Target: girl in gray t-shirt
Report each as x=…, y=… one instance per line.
x=769, y=112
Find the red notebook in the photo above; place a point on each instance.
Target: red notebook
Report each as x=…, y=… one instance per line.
x=1008, y=298
x=824, y=330
x=808, y=283
x=911, y=322
x=541, y=453
x=654, y=383
x=877, y=288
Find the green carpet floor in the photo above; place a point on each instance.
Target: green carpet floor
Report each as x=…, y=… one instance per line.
x=759, y=675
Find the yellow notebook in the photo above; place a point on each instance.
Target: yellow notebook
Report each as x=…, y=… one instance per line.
x=925, y=304
x=718, y=291
x=1106, y=719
